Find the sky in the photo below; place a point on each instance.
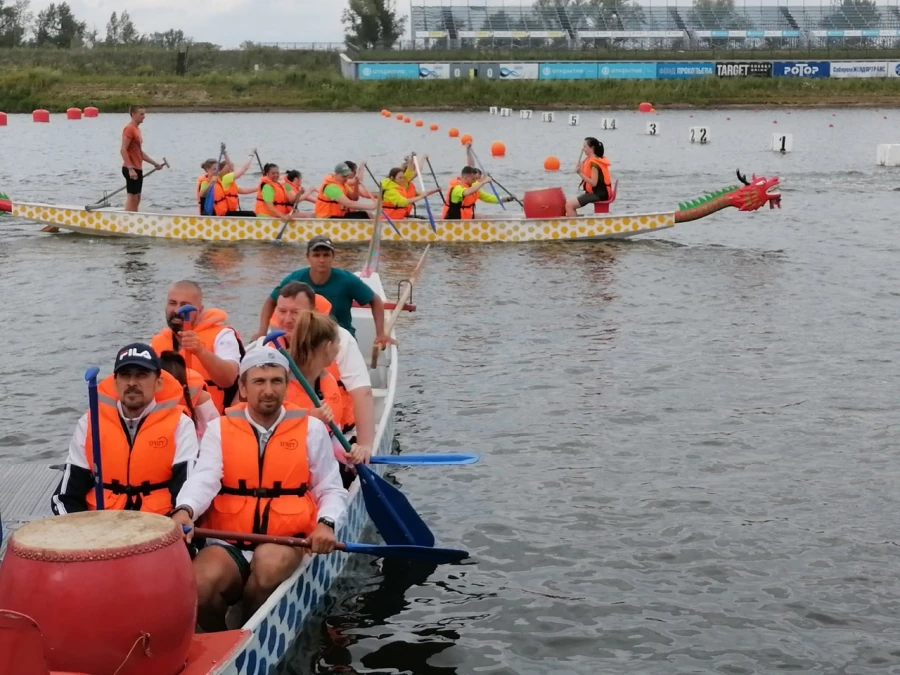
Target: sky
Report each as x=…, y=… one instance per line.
x=225, y=22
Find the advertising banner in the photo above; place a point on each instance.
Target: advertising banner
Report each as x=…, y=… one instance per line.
x=631, y=34
x=434, y=71
x=518, y=71
x=859, y=69
x=488, y=71
x=801, y=68
x=894, y=69
x=744, y=69
x=568, y=71
x=388, y=71
x=626, y=71
x=462, y=71
x=684, y=70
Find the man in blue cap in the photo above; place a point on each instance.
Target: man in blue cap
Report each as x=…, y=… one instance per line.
x=146, y=447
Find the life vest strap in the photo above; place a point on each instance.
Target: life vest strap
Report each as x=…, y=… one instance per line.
x=264, y=493
x=145, y=489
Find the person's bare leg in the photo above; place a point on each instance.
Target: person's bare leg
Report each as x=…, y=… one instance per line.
x=571, y=205
x=132, y=202
x=271, y=564
x=219, y=585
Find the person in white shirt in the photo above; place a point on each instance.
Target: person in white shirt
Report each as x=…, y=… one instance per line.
x=211, y=346
x=146, y=448
x=297, y=297
x=263, y=468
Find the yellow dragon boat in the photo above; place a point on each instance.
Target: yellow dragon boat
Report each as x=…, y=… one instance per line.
x=749, y=195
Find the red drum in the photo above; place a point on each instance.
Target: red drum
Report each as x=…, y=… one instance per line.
x=546, y=203
x=105, y=587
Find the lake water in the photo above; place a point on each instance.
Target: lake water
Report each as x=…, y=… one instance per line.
x=689, y=458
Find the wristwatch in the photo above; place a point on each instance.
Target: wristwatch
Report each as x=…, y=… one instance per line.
x=327, y=521
x=183, y=507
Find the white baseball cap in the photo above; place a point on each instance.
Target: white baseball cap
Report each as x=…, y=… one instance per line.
x=263, y=356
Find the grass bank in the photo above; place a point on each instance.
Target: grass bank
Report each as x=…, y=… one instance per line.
x=26, y=90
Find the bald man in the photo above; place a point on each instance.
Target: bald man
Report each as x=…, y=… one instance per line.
x=210, y=345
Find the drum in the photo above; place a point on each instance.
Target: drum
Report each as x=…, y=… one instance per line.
x=105, y=587
x=546, y=203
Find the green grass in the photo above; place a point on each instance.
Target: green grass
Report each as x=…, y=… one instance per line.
x=296, y=89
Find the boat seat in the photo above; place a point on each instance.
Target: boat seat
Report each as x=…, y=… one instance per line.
x=22, y=646
x=379, y=393
x=603, y=207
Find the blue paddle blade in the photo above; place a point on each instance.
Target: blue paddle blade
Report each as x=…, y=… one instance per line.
x=395, y=519
x=91, y=374
x=432, y=460
x=436, y=555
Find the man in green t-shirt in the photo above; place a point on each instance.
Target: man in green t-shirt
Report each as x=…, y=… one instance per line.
x=340, y=287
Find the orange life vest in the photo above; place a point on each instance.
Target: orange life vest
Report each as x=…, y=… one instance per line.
x=395, y=212
x=220, y=195
x=602, y=165
x=281, y=204
x=329, y=392
x=232, y=199
x=208, y=327
x=265, y=493
x=136, y=474
x=327, y=207
x=460, y=211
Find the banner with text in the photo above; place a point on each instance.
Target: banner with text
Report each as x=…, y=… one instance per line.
x=434, y=71
x=684, y=70
x=859, y=69
x=388, y=71
x=894, y=69
x=801, y=68
x=626, y=71
x=743, y=69
x=519, y=71
x=568, y=71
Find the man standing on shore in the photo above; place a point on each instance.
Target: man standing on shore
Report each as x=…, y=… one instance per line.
x=133, y=158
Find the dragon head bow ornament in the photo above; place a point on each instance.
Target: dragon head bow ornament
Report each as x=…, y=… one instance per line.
x=751, y=195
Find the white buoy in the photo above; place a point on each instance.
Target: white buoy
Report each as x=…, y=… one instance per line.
x=653, y=128
x=525, y=114
x=608, y=124
x=493, y=110
x=548, y=117
x=888, y=155
x=573, y=120
x=699, y=135
x=782, y=143
x=505, y=112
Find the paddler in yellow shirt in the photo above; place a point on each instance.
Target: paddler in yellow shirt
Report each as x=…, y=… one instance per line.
x=396, y=202
x=227, y=198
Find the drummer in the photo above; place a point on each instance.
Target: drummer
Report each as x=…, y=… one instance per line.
x=145, y=447
x=594, y=174
x=289, y=485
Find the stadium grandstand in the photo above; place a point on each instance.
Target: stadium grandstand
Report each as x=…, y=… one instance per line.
x=522, y=23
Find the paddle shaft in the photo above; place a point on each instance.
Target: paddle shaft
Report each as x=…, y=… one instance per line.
x=499, y=185
x=404, y=296
x=258, y=538
x=375, y=246
x=436, y=183
x=422, y=187
x=380, y=207
x=493, y=189
x=97, y=469
x=152, y=171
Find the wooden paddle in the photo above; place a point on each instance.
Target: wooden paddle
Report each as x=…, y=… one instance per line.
x=404, y=296
x=436, y=555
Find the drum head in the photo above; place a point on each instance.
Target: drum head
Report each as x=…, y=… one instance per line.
x=94, y=531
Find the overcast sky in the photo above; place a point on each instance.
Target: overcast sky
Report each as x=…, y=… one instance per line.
x=225, y=22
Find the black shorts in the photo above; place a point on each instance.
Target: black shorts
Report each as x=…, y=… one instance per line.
x=133, y=187
x=241, y=214
x=354, y=215
x=590, y=198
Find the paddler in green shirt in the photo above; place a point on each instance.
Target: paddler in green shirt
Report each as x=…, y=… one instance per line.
x=340, y=287
x=228, y=176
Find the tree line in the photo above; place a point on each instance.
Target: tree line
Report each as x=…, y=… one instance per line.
x=57, y=26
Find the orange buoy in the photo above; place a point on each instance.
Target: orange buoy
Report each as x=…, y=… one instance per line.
x=433, y=127
x=399, y=116
x=551, y=163
x=645, y=107
x=40, y=116
x=3, y=119
x=91, y=111
x=465, y=139
x=385, y=112
x=420, y=123
x=454, y=132
x=406, y=120
x=498, y=149
x=73, y=114
x=60, y=571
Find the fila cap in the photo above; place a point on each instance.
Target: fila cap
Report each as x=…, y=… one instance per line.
x=137, y=354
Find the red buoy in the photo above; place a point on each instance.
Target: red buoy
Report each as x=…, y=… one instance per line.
x=40, y=116
x=91, y=111
x=96, y=582
x=546, y=203
x=3, y=119
x=73, y=114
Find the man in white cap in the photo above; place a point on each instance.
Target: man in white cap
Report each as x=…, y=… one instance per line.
x=265, y=468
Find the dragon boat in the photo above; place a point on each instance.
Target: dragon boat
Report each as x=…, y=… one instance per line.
x=747, y=195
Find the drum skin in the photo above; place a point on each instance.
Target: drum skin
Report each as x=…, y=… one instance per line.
x=546, y=203
x=101, y=585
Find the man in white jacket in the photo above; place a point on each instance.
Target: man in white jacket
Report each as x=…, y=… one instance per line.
x=263, y=468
